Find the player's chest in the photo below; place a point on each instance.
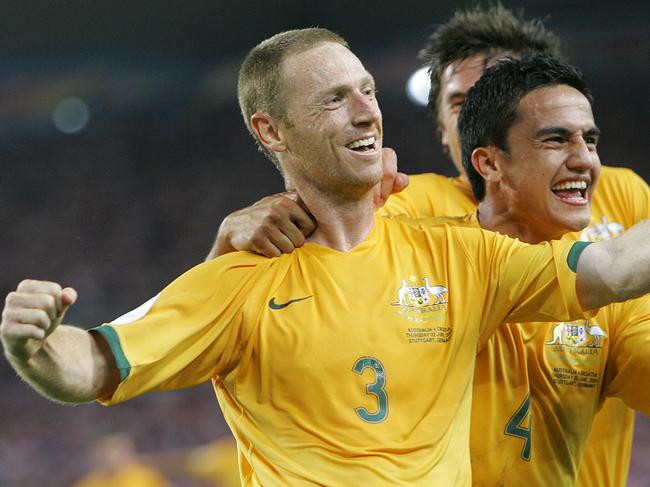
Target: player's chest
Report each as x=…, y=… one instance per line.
x=399, y=318
x=567, y=359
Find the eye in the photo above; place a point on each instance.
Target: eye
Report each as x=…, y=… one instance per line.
x=456, y=103
x=591, y=140
x=334, y=100
x=557, y=139
x=370, y=91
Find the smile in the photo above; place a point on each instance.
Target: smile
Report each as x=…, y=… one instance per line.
x=572, y=192
x=362, y=145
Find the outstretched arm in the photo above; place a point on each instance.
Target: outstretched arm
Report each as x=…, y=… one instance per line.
x=615, y=270
x=280, y=223
x=63, y=363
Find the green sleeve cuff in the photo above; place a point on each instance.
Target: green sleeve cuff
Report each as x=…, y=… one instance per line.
x=113, y=340
x=575, y=253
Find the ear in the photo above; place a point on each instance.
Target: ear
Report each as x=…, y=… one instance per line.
x=268, y=131
x=486, y=162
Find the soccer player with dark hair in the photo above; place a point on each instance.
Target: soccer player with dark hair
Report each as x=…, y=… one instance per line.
x=530, y=151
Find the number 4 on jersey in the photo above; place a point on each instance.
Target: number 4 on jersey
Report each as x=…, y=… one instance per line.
x=515, y=427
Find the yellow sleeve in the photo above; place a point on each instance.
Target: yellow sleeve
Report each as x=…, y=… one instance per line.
x=627, y=376
x=187, y=334
x=525, y=283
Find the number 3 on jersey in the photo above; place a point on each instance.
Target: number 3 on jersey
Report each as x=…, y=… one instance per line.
x=375, y=388
x=515, y=427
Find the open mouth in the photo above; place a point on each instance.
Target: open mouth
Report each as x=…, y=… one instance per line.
x=362, y=145
x=574, y=192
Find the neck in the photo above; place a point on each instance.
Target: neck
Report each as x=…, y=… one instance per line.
x=344, y=221
x=498, y=218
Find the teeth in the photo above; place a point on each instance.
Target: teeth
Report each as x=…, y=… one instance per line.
x=361, y=143
x=570, y=185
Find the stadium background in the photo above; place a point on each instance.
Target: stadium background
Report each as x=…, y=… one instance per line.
x=122, y=149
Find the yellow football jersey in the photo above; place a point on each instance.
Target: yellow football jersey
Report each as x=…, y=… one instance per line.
x=345, y=368
x=551, y=381
x=503, y=376
x=430, y=195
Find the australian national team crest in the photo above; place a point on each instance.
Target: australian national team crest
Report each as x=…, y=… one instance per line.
x=577, y=334
x=419, y=300
x=574, y=350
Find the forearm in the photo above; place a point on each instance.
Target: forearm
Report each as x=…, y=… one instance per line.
x=274, y=225
x=70, y=366
x=615, y=270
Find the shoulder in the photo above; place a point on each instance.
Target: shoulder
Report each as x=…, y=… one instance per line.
x=433, y=223
x=432, y=194
x=430, y=180
x=619, y=177
x=230, y=262
x=451, y=195
x=462, y=232
x=622, y=197
x=225, y=272
x=239, y=258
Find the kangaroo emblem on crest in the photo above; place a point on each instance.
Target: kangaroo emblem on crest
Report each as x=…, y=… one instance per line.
x=557, y=334
x=561, y=331
x=402, y=293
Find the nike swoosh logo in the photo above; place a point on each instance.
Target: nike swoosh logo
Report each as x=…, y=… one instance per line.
x=274, y=305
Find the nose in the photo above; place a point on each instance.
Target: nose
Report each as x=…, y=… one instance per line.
x=582, y=157
x=365, y=109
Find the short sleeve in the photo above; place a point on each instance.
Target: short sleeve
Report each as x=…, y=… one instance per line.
x=187, y=334
x=522, y=282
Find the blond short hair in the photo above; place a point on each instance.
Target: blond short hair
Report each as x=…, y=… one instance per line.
x=260, y=86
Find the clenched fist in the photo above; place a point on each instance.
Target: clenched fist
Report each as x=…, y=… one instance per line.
x=31, y=313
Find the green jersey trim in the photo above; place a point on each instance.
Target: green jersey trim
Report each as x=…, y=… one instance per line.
x=575, y=253
x=113, y=340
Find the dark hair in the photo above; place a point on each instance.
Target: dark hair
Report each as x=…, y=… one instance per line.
x=490, y=31
x=491, y=105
